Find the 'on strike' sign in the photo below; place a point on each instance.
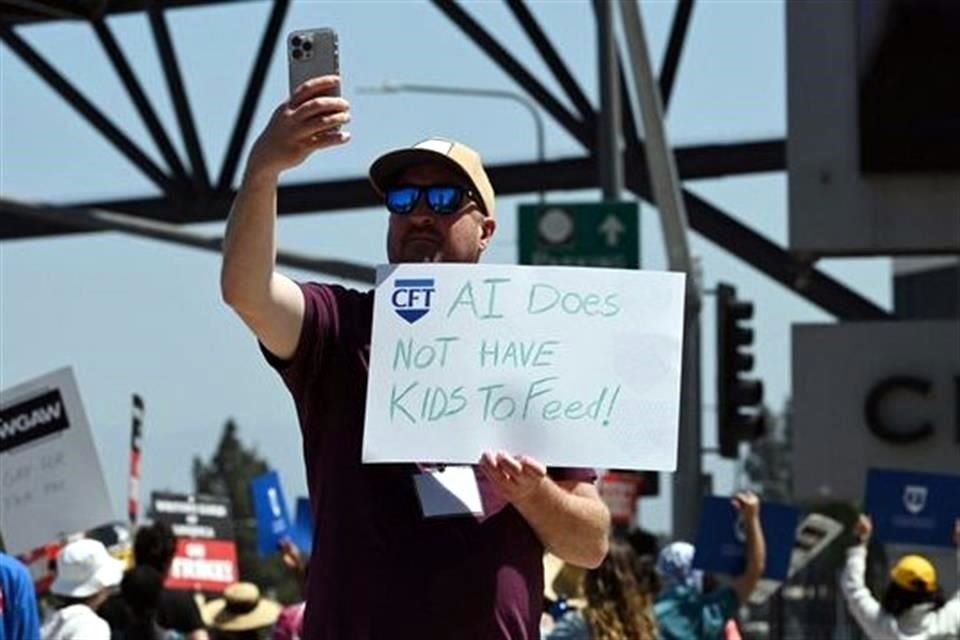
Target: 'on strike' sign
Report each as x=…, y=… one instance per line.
x=573, y=366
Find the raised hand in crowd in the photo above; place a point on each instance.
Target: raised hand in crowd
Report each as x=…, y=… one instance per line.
x=863, y=529
x=748, y=504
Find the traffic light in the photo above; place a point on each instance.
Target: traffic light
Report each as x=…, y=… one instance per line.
x=739, y=399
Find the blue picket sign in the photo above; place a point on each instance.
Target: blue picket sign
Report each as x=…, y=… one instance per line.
x=908, y=507
x=270, y=508
x=721, y=538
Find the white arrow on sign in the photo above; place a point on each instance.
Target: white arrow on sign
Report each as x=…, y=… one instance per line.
x=612, y=228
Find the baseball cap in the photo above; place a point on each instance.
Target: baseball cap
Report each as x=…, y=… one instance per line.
x=914, y=573
x=450, y=153
x=83, y=568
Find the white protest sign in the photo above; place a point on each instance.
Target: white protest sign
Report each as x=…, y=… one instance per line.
x=50, y=475
x=576, y=367
x=814, y=534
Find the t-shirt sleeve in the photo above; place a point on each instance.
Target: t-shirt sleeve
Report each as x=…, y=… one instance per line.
x=718, y=607
x=178, y=611
x=26, y=625
x=319, y=323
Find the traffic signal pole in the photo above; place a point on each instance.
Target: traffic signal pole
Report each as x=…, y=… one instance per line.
x=664, y=180
x=740, y=415
x=609, y=152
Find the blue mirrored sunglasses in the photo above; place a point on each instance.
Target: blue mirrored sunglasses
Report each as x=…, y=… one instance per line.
x=442, y=199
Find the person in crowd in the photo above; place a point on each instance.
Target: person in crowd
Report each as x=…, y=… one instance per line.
x=241, y=614
x=19, y=616
x=85, y=576
x=913, y=606
x=155, y=545
x=683, y=610
x=619, y=595
x=290, y=621
x=141, y=588
x=379, y=568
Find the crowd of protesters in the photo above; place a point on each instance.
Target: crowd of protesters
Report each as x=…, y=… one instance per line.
x=638, y=592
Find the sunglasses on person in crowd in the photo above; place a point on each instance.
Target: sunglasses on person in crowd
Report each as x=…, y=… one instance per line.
x=442, y=199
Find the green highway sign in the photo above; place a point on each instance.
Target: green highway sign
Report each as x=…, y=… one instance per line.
x=595, y=234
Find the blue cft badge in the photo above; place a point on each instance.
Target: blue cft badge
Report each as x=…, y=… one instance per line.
x=411, y=298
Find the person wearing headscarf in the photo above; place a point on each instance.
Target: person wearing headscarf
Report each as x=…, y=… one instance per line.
x=913, y=606
x=682, y=610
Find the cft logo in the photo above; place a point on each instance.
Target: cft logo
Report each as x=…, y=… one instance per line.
x=411, y=298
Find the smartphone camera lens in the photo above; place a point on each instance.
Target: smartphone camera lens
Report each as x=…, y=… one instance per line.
x=307, y=45
x=295, y=41
x=297, y=54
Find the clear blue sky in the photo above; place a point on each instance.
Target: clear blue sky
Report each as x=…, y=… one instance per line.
x=134, y=315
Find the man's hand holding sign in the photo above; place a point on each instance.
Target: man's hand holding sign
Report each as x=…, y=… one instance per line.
x=521, y=369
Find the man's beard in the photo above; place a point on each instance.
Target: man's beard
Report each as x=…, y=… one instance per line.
x=422, y=247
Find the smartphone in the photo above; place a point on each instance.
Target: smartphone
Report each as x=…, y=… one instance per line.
x=312, y=53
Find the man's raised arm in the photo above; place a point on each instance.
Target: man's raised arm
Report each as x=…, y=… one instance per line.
x=269, y=303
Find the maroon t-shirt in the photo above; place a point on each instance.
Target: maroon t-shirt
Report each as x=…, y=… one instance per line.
x=378, y=568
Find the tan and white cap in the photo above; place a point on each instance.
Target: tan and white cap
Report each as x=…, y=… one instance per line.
x=451, y=153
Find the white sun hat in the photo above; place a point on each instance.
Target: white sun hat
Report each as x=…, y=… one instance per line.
x=83, y=568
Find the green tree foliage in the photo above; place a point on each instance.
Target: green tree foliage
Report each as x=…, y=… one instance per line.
x=768, y=466
x=228, y=473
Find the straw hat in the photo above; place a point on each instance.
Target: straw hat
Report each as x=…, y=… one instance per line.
x=240, y=609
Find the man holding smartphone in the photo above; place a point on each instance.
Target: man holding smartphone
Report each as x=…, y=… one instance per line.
x=379, y=568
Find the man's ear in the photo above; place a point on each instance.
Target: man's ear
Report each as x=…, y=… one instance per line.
x=487, y=228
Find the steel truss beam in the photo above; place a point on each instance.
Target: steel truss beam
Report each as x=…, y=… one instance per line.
x=251, y=97
x=518, y=72
x=89, y=219
x=699, y=162
x=147, y=114
x=30, y=11
x=706, y=219
x=85, y=108
x=549, y=54
x=178, y=93
x=671, y=60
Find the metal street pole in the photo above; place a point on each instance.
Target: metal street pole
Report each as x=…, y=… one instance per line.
x=403, y=87
x=609, y=153
x=687, y=488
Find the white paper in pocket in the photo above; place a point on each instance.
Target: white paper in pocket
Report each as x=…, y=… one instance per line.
x=452, y=491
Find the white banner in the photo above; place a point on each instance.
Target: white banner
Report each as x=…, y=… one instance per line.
x=574, y=366
x=51, y=479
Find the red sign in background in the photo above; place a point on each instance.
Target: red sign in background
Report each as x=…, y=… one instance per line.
x=203, y=565
x=619, y=491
